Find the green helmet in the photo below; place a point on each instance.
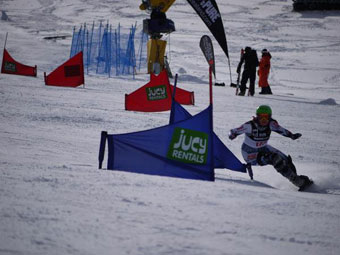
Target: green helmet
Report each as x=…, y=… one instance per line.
x=264, y=109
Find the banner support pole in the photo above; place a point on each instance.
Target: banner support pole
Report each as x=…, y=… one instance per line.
x=210, y=85
x=229, y=71
x=212, y=165
x=175, y=85
x=172, y=100
x=6, y=40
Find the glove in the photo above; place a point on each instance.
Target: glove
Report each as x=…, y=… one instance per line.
x=238, y=70
x=232, y=136
x=295, y=136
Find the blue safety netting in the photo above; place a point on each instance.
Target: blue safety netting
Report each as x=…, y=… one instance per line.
x=111, y=51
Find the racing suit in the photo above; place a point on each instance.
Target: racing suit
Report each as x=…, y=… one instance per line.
x=256, y=139
x=257, y=151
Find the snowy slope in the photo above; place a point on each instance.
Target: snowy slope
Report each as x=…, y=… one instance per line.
x=54, y=200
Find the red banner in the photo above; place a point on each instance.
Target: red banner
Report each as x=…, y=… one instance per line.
x=69, y=74
x=156, y=95
x=10, y=66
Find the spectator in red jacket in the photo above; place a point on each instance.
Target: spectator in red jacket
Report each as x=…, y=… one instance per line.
x=263, y=72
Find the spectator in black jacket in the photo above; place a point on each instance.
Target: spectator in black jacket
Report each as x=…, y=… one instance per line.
x=250, y=61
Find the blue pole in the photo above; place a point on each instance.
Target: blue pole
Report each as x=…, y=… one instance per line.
x=78, y=36
x=106, y=48
x=133, y=52
x=129, y=52
x=116, y=45
x=119, y=60
x=72, y=44
x=90, y=50
x=110, y=46
x=105, y=36
x=83, y=40
x=126, y=53
x=140, y=50
x=144, y=36
x=107, y=56
x=99, y=45
x=87, y=52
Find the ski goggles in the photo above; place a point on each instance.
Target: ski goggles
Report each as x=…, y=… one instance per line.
x=263, y=118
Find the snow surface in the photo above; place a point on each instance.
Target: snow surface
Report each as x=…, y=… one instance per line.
x=54, y=200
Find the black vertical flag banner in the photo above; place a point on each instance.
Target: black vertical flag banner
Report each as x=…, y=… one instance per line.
x=208, y=51
x=209, y=13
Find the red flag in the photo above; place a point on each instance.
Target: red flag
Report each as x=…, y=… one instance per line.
x=69, y=74
x=10, y=66
x=182, y=96
x=156, y=95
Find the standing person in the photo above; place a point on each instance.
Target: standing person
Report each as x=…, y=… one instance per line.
x=263, y=72
x=250, y=61
x=256, y=151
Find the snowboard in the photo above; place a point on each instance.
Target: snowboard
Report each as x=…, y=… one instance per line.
x=238, y=75
x=306, y=185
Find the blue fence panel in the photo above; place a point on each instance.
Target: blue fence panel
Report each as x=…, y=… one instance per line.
x=110, y=51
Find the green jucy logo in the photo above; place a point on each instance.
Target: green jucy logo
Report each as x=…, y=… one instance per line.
x=156, y=93
x=10, y=67
x=188, y=146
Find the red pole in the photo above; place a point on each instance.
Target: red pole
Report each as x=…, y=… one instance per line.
x=211, y=123
x=210, y=85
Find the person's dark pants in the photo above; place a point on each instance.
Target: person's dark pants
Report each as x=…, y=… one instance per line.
x=266, y=91
x=251, y=75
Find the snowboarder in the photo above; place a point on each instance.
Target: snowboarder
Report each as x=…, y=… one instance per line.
x=263, y=72
x=249, y=72
x=256, y=151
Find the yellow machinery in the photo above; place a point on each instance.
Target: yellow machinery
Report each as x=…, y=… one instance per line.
x=156, y=52
x=157, y=25
x=162, y=5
